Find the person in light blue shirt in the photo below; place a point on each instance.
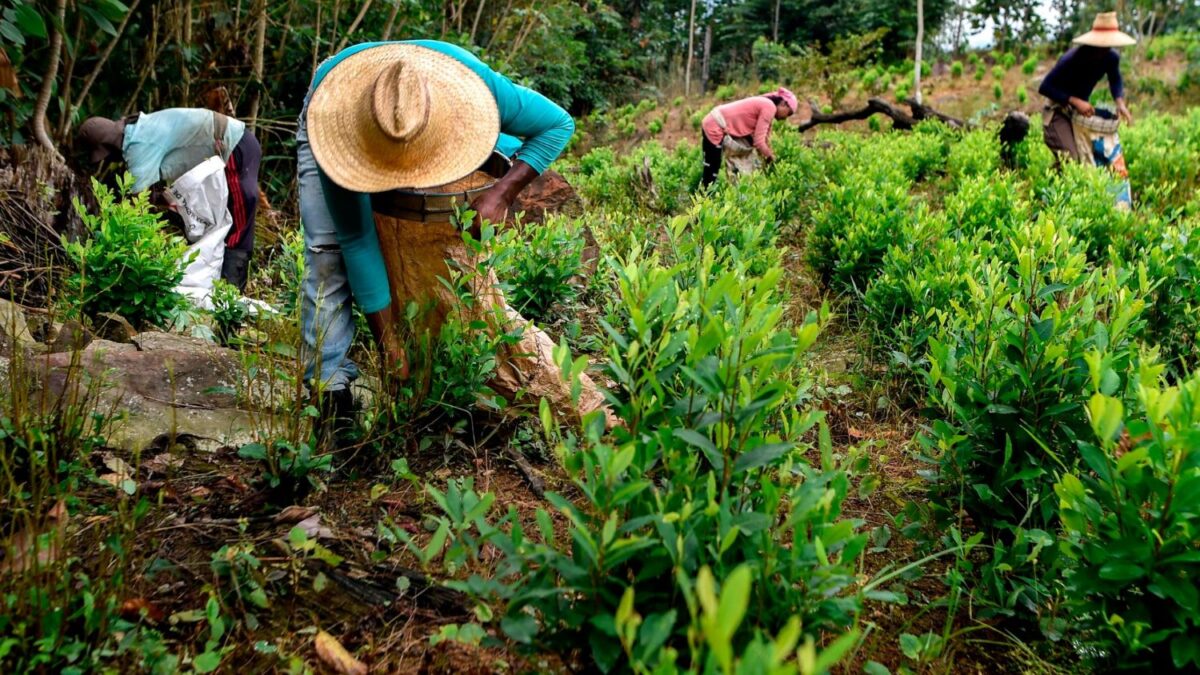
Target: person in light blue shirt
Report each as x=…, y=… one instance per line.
x=160, y=147
x=388, y=115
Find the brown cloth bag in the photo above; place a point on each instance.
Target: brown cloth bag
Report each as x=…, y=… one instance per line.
x=416, y=253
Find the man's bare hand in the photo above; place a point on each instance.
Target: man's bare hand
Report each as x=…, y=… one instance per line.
x=1123, y=112
x=1082, y=107
x=491, y=206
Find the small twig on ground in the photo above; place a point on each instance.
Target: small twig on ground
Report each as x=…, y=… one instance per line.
x=535, y=482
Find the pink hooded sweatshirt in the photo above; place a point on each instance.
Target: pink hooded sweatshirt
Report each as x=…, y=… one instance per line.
x=748, y=117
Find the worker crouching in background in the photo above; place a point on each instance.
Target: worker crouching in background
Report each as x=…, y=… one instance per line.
x=736, y=130
x=162, y=146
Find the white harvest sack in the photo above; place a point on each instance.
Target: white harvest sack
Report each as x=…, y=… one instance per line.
x=200, y=196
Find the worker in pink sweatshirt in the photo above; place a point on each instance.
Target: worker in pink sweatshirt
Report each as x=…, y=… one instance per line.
x=743, y=126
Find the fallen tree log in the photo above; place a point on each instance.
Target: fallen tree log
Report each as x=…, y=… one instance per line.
x=900, y=119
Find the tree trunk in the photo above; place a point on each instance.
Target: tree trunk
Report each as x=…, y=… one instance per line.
x=707, y=55
x=775, y=23
x=40, y=132
x=185, y=41
x=148, y=63
x=391, y=22
x=687, y=70
x=260, y=39
x=917, y=58
x=478, y=16
x=354, y=25
x=316, y=40
x=72, y=108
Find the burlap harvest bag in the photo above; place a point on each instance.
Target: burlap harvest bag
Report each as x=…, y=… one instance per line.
x=417, y=238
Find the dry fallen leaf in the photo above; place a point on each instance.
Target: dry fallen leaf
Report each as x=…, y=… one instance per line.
x=162, y=463
x=855, y=433
x=333, y=654
x=131, y=610
x=314, y=529
x=118, y=466
x=295, y=514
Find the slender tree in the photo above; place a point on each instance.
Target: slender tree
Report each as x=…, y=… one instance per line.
x=917, y=57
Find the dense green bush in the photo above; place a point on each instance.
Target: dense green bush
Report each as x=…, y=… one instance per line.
x=1007, y=372
x=539, y=263
x=854, y=226
x=956, y=69
x=129, y=265
x=1131, y=522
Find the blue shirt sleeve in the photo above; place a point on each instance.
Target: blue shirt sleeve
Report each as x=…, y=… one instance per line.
x=545, y=127
x=356, y=234
x=1050, y=84
x=1116, y=85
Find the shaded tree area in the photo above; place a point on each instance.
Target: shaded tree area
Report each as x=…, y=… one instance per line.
x=253, y=58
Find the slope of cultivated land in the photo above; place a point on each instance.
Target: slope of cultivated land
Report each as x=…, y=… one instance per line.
x=1152, y=86
x=865, y=399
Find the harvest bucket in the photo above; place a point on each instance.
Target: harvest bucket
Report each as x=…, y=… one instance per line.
x=418, y=240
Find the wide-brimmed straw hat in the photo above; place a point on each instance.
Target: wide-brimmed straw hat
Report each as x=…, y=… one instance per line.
x=1105, y=32
x=401, y=116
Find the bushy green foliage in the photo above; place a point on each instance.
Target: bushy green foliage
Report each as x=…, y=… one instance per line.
x=229, y=311
x=714, y=450
x=1007, y=371
x=956, y=69
x=129, y=265
x=540, y=262
x=1130, y=521
x=1030, y=65
x=997, y=92
x=979, y=73
x=1008, y=60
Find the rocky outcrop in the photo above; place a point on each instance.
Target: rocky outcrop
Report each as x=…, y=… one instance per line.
x=161, y=385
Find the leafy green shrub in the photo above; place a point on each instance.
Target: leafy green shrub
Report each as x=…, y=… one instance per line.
x=655, y=127
x=1022, y=94
x=60, y=604
x=1030, y=65
x=854, y=226
x=1007, y=370
x=1008, y=60
x=677, y=474
x=1082, y=200
x=979, y=73
x=229, y=311
x=678, y=102
x=956, y=69
x=977, y=154
x=539, y=262
x=1130, y=523
x=129, y=265
x=725, y=91
x=997, y=92
x=1173, y=318
x=902, y=91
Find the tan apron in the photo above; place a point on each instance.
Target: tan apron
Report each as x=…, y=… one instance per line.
x=740, y=157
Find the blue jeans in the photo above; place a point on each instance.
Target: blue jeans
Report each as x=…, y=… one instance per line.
x=326, y=319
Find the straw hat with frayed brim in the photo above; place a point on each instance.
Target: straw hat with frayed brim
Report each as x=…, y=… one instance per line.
x=401, y=116
x=1105, y=32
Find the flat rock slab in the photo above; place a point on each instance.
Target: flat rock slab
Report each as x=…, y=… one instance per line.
x=171, y=385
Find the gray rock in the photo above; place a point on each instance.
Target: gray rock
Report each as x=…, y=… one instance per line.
x=70, y=337
x=186, y=390
x=154, y=341
x=114, y=327
x=14, y=331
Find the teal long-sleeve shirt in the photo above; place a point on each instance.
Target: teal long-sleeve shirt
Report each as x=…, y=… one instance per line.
x=532, y=128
